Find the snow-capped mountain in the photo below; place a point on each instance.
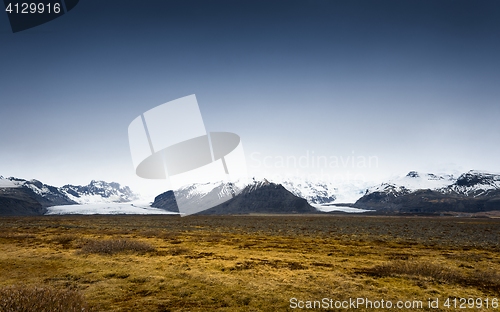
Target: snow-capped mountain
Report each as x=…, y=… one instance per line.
x=474, y=183
x=258, y=196
x=473, y=191
x=99, y=192
x=45, y=194
x=198, y=196
x=313, y=192
x=94, y=192
x=212, y=194
x=19, y=196
x=263, y=197
x=413, y=181
x=22, y=197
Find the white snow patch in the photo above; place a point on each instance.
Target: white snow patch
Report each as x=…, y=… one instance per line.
x=321, y=192
x=330, y=208
x=39, y=191
x=415, y=181
x=6, y=183
x=105, y=208
x=86, y=199
x=349, y=193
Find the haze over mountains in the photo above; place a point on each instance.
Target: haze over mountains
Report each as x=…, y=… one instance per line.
x=427, y=193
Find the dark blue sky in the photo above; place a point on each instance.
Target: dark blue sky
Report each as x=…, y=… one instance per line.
x=414, y=83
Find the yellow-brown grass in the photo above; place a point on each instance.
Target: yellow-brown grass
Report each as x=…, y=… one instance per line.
x=165, y=263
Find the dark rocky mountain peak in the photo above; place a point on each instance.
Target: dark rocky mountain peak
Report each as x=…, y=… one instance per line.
x=413, y=174
x=473, y=178
x=257, y=197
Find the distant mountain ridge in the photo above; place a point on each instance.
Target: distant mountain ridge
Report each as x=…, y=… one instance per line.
x=256, y=197
x=99, y=191
x=427, y=193
x=263, y=197
x=32, y=197
x=475, y=183
x=472, y=192
x=318, y=192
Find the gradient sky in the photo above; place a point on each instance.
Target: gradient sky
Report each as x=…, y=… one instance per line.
x=414, y=83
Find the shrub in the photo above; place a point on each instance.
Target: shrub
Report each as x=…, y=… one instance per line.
x=114, y=246
x=178, y=251
x=65, y=239
x=41, y=298
x=415, y=268
x=481, y=279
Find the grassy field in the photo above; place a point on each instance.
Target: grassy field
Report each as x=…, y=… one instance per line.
x=246, y=263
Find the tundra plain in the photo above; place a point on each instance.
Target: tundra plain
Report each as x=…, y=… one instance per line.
x=246, y=263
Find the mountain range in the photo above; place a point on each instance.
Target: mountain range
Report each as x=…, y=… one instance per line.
x=256, y=197
x=32, y=197
x=426, y=193
x=471, y=192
